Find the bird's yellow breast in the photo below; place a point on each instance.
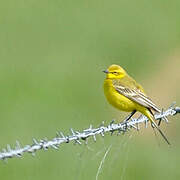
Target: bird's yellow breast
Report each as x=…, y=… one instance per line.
x=116, y=99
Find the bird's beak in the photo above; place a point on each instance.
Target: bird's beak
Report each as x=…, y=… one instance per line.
x=106, y=71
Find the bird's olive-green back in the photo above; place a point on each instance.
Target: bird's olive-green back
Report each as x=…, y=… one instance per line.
x=127, y=81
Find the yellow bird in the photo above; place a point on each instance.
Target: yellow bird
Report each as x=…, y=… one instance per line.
x=124, y=93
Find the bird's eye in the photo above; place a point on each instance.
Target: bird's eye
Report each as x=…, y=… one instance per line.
x=115, y=73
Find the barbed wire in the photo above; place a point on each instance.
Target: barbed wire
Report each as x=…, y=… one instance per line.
x=78, y=137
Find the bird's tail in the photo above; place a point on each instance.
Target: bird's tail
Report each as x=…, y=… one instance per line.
x=151, y=118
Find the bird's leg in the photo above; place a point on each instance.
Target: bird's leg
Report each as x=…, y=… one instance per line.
x=163, y=118
x=128, y=118
x=159, y=123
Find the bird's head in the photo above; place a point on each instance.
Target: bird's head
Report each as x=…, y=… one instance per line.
x=115, y=72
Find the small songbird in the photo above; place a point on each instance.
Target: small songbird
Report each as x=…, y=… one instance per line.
x=124, y=93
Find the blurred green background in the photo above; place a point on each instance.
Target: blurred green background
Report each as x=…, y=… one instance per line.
x=52, y=54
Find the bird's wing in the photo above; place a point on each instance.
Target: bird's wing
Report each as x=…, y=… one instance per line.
x=137, y=96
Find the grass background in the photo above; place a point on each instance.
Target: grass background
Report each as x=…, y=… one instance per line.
x=51, y=57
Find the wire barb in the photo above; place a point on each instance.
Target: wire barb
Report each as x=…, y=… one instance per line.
x=78, y=137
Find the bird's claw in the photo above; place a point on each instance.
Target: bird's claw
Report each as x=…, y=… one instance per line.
x=126, y=125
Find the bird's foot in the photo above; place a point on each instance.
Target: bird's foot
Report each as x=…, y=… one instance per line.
x=126, y=125
x=159, y=122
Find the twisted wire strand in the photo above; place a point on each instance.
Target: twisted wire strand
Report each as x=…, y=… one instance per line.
x=78, y=137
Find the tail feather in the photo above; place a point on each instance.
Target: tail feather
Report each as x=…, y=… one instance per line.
x=162, y=134
x=151, y=118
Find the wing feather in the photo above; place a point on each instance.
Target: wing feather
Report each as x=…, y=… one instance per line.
x=137, y=96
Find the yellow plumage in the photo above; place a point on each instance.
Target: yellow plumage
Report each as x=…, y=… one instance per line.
x=116, y=99
x=125, y=94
